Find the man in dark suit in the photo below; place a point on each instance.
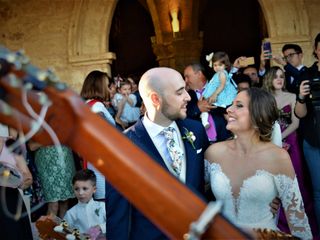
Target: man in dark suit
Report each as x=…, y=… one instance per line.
x=295, y=71
x=196, y=82
x=165, y=98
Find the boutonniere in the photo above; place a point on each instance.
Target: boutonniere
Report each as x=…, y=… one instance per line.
x=188, y=135
x=97, y=211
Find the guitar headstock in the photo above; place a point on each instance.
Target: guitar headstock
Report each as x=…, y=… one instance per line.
x=27, y=92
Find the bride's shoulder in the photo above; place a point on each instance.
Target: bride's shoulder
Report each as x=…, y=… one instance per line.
x=220, y=146
x=276, y=153
x=218, y=149
x=280, y=160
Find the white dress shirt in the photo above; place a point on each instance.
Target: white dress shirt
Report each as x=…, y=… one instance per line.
x=158, y=139
x=86, y=215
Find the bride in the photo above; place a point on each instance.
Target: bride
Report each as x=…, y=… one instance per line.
x=246, y=173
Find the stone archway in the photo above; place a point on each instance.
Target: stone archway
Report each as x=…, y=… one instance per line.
x=88, y=30
x=91, y=20
x=288, y=22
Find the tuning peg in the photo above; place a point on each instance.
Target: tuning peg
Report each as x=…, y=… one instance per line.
x=10, y=57
x=76, y=232
x=7, y=55
x=58, y=229
x=17, y=58
x=41, y=75
x=21, y=56
x=53, y=80
x=14, y=81
x=52, y=77
x=35, y=72
x=70, y=237
x=5, y=108
x=43, y=99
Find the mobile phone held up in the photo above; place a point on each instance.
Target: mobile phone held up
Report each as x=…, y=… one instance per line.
x=247, y=61
x=267, y=49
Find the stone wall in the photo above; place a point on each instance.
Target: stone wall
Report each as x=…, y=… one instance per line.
x=313, y=9
x=41, y=29
x=53, y=33
x=72, y=35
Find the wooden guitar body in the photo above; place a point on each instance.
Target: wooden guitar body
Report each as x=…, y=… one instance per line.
x=52, y=227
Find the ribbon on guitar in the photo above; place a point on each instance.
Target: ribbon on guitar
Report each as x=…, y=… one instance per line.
x=10, y=175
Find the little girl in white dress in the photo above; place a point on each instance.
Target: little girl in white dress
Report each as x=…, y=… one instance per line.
x=124, y=102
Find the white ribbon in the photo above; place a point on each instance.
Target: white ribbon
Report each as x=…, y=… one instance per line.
x=209, y=59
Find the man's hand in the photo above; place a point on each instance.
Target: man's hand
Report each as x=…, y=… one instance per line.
x=212, y=99
x=239, y=62
x=94, y=232
x=120, y=122
x=304, y=89
x=263, y=59
x=204, y=106
x=275, y=206
x=265, y=54
x=278, y=59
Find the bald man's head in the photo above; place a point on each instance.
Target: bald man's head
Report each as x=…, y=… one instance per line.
x=164, y=94
x=156, y=80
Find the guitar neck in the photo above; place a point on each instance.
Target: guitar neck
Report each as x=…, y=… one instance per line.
x=142, y=181
x=131, y=171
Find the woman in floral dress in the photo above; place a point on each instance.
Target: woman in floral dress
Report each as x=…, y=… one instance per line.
x=55, y=173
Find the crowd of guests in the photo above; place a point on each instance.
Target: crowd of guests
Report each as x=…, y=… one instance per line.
x=233, y=117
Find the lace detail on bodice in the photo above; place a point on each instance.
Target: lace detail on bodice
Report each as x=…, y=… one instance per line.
x=250, y=208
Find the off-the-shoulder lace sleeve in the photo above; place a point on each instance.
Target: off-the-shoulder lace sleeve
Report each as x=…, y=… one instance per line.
x=207, y=171
x=293, y=205
x=209, y=168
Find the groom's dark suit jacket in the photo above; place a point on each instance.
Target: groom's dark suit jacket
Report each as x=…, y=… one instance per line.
x=124, y=221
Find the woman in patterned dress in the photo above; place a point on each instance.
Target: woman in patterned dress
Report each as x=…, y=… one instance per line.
x=55, y=173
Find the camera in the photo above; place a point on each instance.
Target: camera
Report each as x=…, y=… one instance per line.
x=315, y=91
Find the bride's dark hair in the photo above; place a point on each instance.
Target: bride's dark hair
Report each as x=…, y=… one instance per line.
x=264, y=112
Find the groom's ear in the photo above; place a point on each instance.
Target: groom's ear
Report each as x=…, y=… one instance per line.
x=155, y=99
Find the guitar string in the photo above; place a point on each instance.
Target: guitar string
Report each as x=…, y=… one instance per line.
x=39, y=120
x=35, y=126
x=44, y=124
x=5, y=209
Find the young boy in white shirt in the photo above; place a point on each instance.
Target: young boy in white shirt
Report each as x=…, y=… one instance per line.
x=87, y=215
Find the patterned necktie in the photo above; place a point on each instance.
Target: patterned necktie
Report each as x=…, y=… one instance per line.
x=174, y=150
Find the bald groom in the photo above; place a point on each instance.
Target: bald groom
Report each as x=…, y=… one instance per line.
x=165, y=97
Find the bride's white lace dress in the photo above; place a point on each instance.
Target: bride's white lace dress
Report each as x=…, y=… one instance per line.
x=250, y=209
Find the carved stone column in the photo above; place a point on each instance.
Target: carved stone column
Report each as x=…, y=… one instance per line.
x=88, y=46
x=177, y=53
x=177, y=41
